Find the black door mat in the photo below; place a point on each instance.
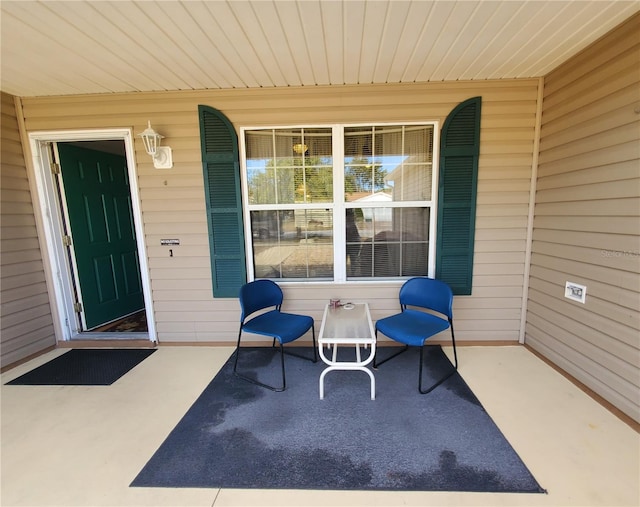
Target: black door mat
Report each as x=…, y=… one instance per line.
x=84, y=367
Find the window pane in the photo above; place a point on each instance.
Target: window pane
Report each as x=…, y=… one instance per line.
x=320, y=145
x=316, y=174
x=364, y=175
x=261, y=183
x=387, y=242
x=286, y=166
x=389, y=142
x=418, y=144
x=292, y=244
x=358, y=143
x=411, y=182
x=315, y=184
x=260, y=167
x=392, y=163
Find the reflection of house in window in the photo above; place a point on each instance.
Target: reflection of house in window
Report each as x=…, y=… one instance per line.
x=382, y=215
x=410, y=180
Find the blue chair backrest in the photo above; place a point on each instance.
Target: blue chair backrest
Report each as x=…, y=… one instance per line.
x=427, y=293
x=258, y=295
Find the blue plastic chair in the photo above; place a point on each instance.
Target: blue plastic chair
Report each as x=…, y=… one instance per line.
x=413, y=325
x=284, y=327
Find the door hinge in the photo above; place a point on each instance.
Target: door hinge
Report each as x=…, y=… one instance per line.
x=66, y=240
x=77, y=307
x=55, y=168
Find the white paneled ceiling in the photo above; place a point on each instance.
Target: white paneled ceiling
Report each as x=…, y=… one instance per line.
x=76, y=47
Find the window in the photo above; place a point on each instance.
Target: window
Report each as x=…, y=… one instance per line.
x=342, y=202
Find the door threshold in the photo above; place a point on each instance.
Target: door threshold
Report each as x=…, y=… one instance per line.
x=107, y=342
x=111, y=336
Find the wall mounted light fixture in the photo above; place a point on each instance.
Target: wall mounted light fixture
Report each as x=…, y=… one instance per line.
x=162, y=158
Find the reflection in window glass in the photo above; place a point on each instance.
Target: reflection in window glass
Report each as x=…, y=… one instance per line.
x=376, y=226
x=292, y=243
x=387, y=242
x=388, y=162
x=287, y=166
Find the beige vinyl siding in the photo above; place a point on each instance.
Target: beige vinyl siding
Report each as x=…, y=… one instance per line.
x=172, y=201
x=587, y=220
x=26, y=326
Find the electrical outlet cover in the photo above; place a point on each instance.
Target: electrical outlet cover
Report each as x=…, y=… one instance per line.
x=576, y=292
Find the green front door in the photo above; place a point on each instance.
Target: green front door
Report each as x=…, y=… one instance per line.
x=96, y=188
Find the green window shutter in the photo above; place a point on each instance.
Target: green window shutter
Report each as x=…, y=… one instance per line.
x=459, y=152
x=221, y=165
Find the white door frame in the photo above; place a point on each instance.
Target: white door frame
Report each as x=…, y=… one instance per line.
x=61, y=290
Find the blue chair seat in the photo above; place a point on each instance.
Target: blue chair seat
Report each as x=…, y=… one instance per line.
x=285, y=327
x=411, y=327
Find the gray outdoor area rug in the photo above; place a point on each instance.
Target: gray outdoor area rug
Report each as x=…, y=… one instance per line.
x=239, y=435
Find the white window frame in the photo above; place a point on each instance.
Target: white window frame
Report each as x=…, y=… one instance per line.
x=339, y=204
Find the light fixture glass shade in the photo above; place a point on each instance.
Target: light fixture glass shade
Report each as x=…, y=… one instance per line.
x=151, y=140
x=162, y=157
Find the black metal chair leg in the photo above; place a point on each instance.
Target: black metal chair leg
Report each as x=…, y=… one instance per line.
x=453, y=341
x=455, y=367
x=282, y=353
x=257, y=382
x=375, y=356
x=315, y=347
x=315, y=350
x=284, y=380
x=237, y=352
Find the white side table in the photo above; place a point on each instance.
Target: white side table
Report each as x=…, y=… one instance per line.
x=349, y=324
